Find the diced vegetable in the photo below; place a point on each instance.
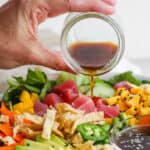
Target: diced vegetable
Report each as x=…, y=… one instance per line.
x=92, y=132
x=7, y=147
x=5, y=128
x=109, y=111
x=52, y=99
x=46, y=88
x=67, y=90
x=36, y=81
x=84, y=103
x=102, y=89
x=63, y=76
x=40, y=108
x=5, y=111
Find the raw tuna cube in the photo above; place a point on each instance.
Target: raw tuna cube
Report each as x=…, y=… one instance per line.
x=84, y=103
x=109, y=111
x=67, y=90
x=52, y=99
x=40, y=108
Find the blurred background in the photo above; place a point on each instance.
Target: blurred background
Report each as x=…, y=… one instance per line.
x=134, y=18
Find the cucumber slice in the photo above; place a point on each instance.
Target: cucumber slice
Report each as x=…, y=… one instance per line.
x=102, y=89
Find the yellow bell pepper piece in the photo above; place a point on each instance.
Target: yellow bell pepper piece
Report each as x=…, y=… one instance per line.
x=25, y=98
x=34, y=97
x=19, y=107
x=17, y=112
x=31, y=110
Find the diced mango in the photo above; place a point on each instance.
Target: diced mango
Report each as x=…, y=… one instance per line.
x=113, y=100
x=108, y=120
x=123, y=92
x=146, y=103
x=144, y=111
x=137, y=90
x=122, y=105
x=133, y=121
x=130, y=116
x=133, y=101
x=131, y=111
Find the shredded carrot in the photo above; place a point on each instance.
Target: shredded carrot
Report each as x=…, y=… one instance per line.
x=5, y=111
x=7, y=147
x=19, y=138
x=1, y=134
x=144, y=121
x=27, y=121
x=6, y=129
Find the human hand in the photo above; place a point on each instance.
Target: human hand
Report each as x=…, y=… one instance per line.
x=19, y=19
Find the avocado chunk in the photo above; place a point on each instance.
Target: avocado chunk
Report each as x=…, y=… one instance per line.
x=55, y=145
x=69, y=147
x=58, y=140
x=32, y=144
x=18, y=147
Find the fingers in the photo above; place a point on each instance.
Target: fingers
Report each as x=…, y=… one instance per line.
x=110, y=2
x=49, y=58
x=102, y=6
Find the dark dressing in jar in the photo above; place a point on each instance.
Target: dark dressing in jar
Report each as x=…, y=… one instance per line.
x=92, y=56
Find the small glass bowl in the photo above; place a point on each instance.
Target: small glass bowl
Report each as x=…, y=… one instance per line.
x=91, y=27
x=135, y=137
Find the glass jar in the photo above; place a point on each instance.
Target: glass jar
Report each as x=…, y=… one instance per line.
x=91, y=27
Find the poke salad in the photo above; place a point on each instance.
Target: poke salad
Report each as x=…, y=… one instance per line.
x=40, y=113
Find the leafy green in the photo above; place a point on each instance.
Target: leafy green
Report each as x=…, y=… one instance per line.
x=126, y=76
x=46, y=88
x=31, y=88
x=36, y=81
x=145, y=81
x=36, y=77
